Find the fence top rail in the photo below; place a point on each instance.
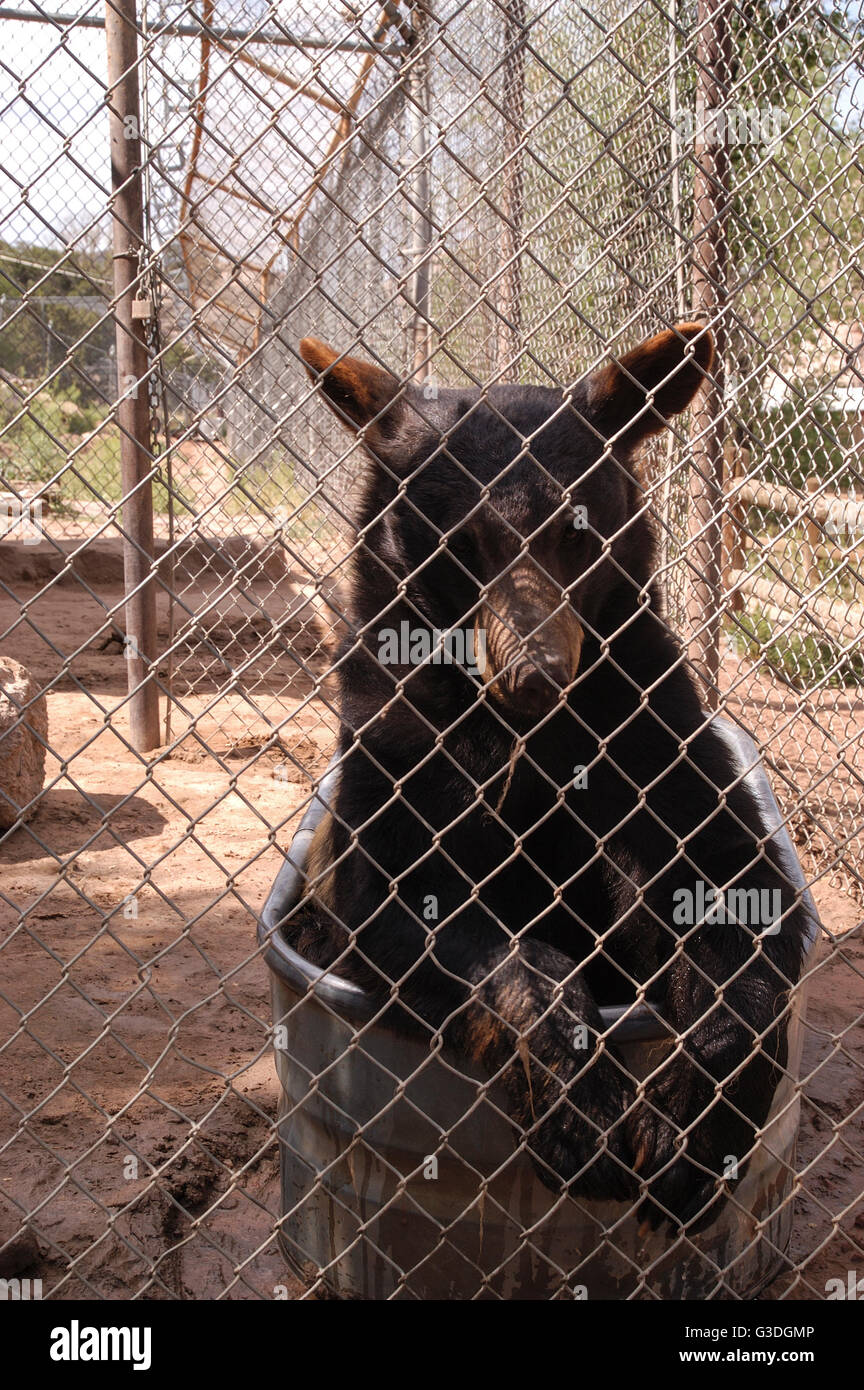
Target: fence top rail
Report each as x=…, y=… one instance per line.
x=197, y=29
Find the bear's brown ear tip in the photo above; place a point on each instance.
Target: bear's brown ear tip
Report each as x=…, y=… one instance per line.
x=317, y=355
x=705, y=349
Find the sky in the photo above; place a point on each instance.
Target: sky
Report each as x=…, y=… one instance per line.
x=62, y=99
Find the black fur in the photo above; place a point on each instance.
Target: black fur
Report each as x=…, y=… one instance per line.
x=561, y=896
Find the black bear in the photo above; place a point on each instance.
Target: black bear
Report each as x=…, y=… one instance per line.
x=530, y=793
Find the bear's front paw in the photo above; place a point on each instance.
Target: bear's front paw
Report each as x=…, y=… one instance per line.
x=680, y=1163
x=578, y=1140
x=684, y=1196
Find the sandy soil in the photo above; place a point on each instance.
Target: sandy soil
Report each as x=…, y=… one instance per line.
x=138, y=1082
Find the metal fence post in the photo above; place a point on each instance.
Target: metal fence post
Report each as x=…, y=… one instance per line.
x=133, y=410
x=418, y=116
x=710, y=258
x=509, y=328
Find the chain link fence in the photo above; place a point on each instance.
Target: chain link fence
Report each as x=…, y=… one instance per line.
x=460, y=196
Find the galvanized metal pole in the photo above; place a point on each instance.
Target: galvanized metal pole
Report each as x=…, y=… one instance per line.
x=672, y=443
x=509, y=333
x=133, y=411
x=708, y=278
x=421, y=196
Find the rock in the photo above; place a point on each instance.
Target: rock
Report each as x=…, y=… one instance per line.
x=75, y=421
x=22, y=755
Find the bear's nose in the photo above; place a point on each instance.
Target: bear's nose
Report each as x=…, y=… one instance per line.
x=536, y=688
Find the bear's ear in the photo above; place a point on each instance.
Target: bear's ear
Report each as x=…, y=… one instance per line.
x=649, y=385
x=358, y=392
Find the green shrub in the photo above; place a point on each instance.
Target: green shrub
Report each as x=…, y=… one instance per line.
x=804, y=660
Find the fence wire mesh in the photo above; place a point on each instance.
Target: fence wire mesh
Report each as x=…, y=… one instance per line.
x=462, y=197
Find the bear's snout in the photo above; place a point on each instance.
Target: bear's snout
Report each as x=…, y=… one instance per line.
x=532, y=641
x=536, y=688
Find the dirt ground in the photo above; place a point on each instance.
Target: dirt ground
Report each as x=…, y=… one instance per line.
x=138, y=1086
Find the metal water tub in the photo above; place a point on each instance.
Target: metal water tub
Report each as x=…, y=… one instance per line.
x=364, y=1110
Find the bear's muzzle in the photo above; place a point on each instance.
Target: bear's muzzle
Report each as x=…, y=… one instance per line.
x=530, y=640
